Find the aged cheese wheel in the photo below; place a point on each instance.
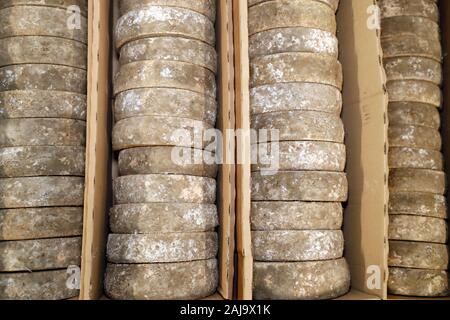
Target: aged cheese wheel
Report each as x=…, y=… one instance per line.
x=418, y=282
x=162, y=247
x=47, y=50
x=42, y=161
x=42, y=104
x=417, y=180
x=332, y=3
x=163, y=217
x=414, y=91
x=415, y=114
x=410, y=26
x=35, y=20
x=295, y=96
x=44, y=254
x=416, y=228
x=295, y=67
x=413, y=68
x=164, y=188
x=41, y=192
x=46, y=285
x=205, y=7
x=65, y=4
x=300, y=186
x=300, y=155
x=411, y=45
x=170, y=49
x=41, y=223
x=297, y=39
x=290, y=246
x=268, y=216
x=415, y=158
x=421, y=204
x=300, y=280
x=155, y=21
x=43, y=77
x=166, y=74
x=417, y=8
x=415, y=137
x=42, y=132
x=291, y=13
x=418, y=255
x=301, y=126
x=167, y=281
x=158, y=131
x=167, y=160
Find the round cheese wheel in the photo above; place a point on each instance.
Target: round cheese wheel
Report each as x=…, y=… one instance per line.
x=45, y=285
x=415, y=203
x=416, y=8
x=418, y=282
x=300, y=280
x=413, y=68
x=415, y=159
x=415, y=137
x=410, y=45
x=164, y=189
x=290, y=246
x=414, y=114
x=148, y=218
x=416, y=228
x=268, y=216
x=43, y=254
x=154, y=21
x=417, y=180
x=41, y=192
x=410, y=26
x=414, y=91
x=167, y=281
x=41, y=223
x=65, y=4
x=332, y=3
x=295, y=67
x=300, y=186
x=418, y=255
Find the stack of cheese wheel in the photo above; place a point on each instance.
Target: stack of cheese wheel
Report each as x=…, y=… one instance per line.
x=296, y=217
x=418, y=256
x=43, y=78
x=163, y=243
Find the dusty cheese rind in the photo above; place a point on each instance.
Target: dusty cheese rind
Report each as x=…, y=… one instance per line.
x=417, y=180
x=410, y=45
x=295, y=67
x=65, y=4
x=301, y=126
x=148, y=218
x=164, y=189
x=300, y=186
x=41, y=223
x=42, y=132
x=410, y=26
x=414, y=91
x=416, y=228
x=268, y=216
x=299, y=155
x=295, y=96
x=291, y=13
x=155, y=21
x=170, y=102
x=165, y=74
x=47, y=50
x=297, y=39
x=414, y=113
x=421, y=204
x=300, y=280
x=167, y=160
x=413, y=68
x=159, y=131
x=43, y=254
x=332, y=3
x=162, y=247
x=43, y=77
x=415, y=158
x=303, y=245
x=415, y=137
x=41, y=21
x=42, y=161
x=44, y=285
x=166, y=281
x=41, y=192
x=418, y=282
x=417, y=8
x=418, y=255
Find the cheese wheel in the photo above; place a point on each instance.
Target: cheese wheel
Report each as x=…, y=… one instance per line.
x=414, y=114
x=415, y=159
x=410, y=26
x=410, y=45
x=332, y=3
x=300, y=186
x=300, y=280
x=417, y=180
x=418, y=255
x=414, y=91
x=416, y=228
x=415, y=137
x=41, y=192
x=164, y=189
x=417, y=8
x=290, y=246
x=268, y=216
x=413, y=68
x=41, y=223
x=418, y=282
x=65, y=4
x=421, y=204
x=44, y=254
x=167, y=281
x=148, y=218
